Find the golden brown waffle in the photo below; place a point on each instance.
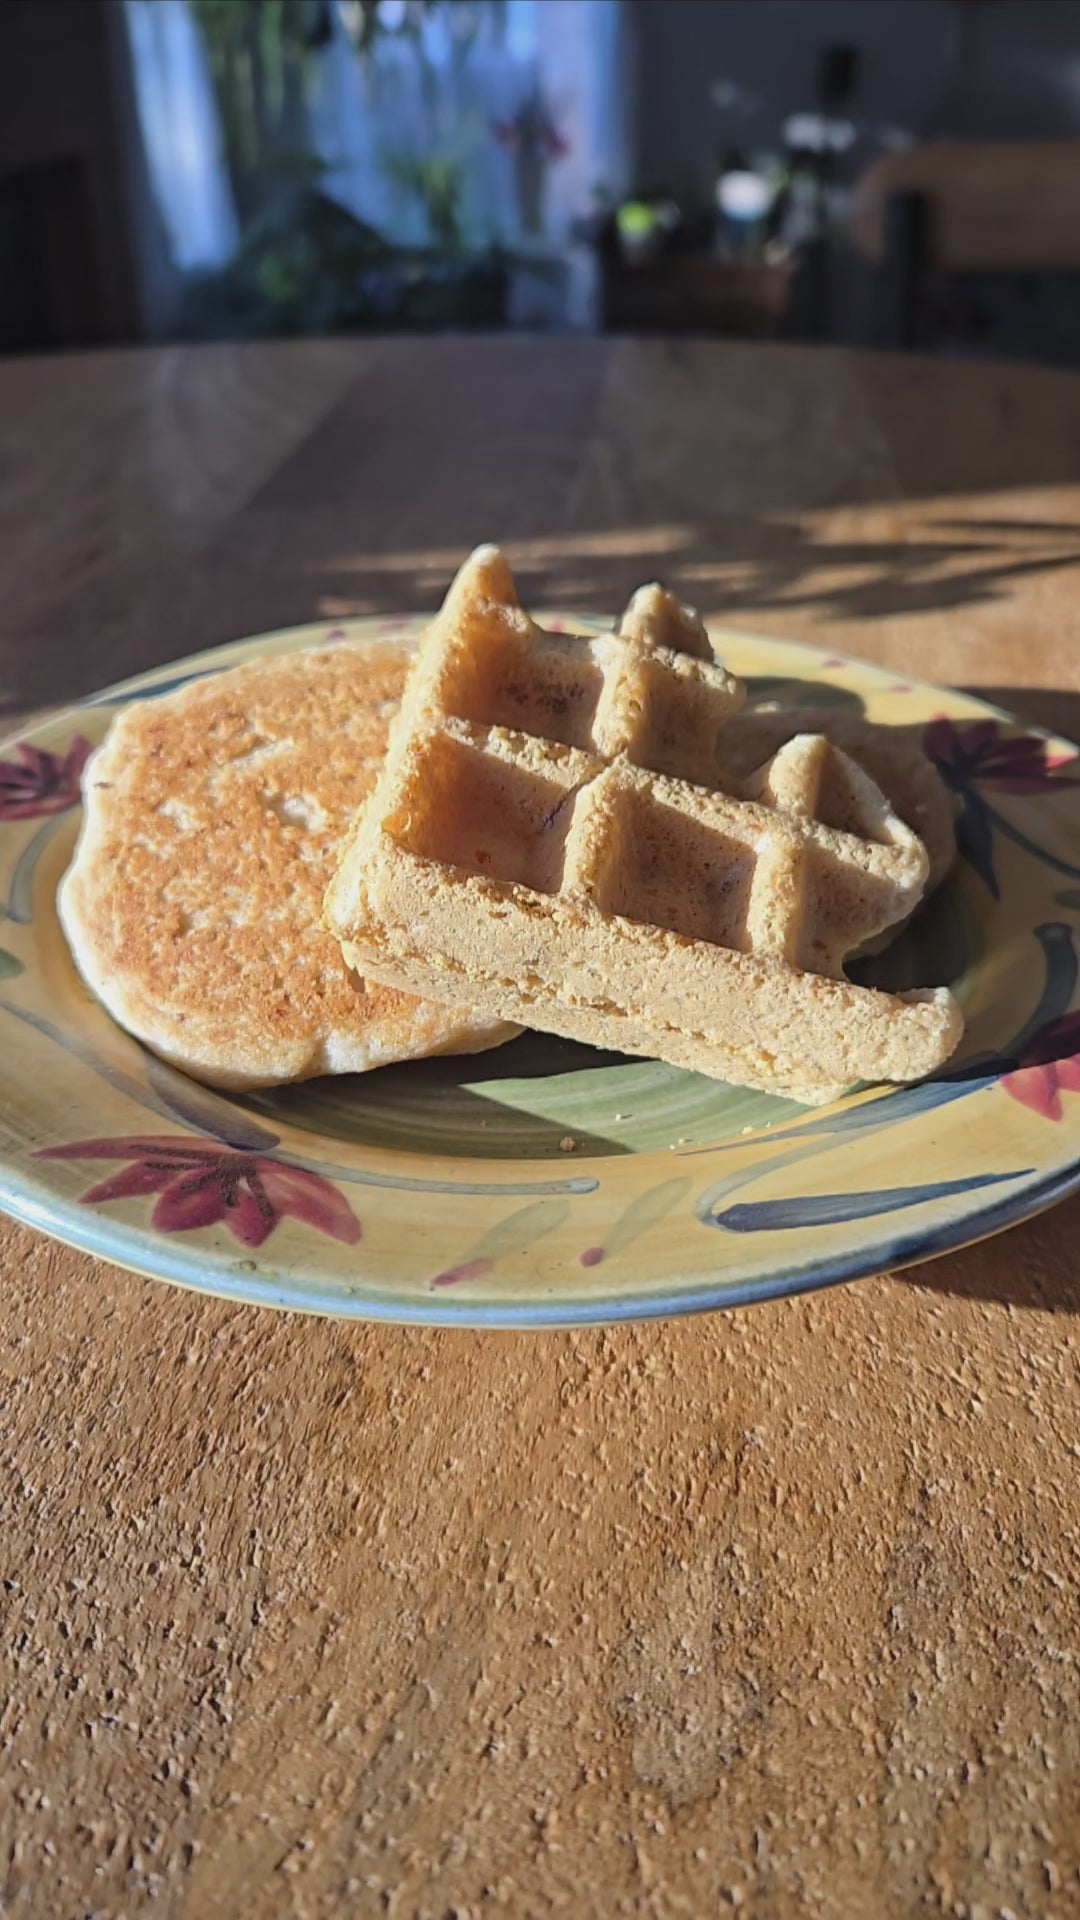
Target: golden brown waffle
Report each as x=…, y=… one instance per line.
x=531, y=849
x=651, y=690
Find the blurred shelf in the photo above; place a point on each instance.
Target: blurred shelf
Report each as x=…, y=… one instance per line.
x=696, y=293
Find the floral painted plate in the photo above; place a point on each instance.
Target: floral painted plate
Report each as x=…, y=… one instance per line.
x=545, y=1184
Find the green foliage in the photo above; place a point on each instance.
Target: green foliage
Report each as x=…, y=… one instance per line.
x=304, y=265
x=260, y=54
x=635, y=218
x=307, y=267
x=438, y=182
x=301, y=268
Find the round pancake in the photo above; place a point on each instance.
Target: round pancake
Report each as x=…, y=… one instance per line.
x=193, y=907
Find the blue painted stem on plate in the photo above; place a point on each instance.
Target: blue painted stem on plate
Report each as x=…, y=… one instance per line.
x=1020, y=839
x=1058, y=944
x=20, y=905
x=835, y=1209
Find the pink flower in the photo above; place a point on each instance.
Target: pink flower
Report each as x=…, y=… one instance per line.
x=551, y=142
x=531, y=131
x=39, y=782
x=1049, y=1067
x=980, y=752
x=1041, y=1088
x=200, y=1184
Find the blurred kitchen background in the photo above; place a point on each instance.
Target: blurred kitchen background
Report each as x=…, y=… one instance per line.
x=890, y=172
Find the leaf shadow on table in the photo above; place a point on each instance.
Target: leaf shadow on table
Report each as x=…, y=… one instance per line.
x=281, y=563
x=875, y=579
x=768, y=563
x=1032, y=1265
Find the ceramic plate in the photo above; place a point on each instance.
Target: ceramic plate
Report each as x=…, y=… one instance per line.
x=545, y=1184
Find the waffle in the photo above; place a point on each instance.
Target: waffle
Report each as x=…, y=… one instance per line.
x=651, y=691
x=546, y=841
x=892, y=756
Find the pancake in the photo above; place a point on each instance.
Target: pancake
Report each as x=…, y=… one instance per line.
x=212, y=823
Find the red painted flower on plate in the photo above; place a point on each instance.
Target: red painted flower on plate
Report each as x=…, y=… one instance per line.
x=199, y=1183
x=38, y=782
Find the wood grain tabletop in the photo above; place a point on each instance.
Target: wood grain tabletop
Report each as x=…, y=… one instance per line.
x=775, y=1611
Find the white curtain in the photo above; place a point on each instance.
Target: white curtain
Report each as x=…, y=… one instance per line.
x=180, y=127
x=583, y=59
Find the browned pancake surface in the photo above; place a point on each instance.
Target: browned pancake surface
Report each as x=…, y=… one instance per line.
x=213, y=821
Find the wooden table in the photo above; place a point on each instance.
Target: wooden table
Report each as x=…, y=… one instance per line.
x=775, y=1610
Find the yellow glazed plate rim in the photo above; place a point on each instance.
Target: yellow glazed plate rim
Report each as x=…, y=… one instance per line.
x=438, y=1192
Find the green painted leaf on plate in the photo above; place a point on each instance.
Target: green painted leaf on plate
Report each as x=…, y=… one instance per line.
x=645, y=1212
